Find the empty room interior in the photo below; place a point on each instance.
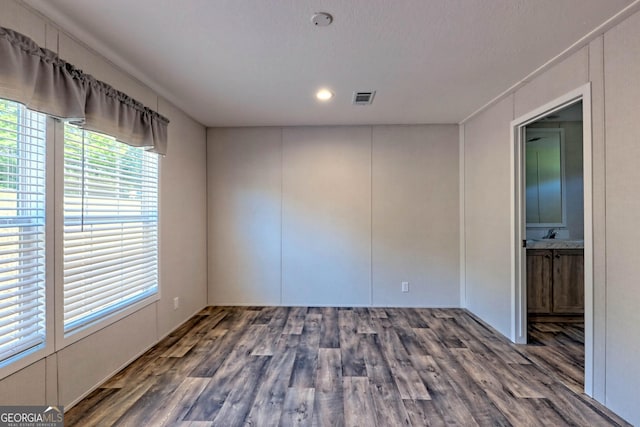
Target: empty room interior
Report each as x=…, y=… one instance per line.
x=340, y=213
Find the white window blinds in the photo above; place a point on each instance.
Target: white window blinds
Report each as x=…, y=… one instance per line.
x=22, y=231
x=110, y=226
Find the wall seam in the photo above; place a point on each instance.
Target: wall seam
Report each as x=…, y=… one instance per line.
x=57, y=42
x=463, y=216
x=281, y=211
x=206, y=210
x=371, y=218
x=604, y=154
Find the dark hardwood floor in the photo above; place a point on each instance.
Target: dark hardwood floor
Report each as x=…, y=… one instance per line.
x=278, y=366
x=558, y=347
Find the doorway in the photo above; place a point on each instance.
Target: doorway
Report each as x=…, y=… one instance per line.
x=552, y=237
x=554, y=217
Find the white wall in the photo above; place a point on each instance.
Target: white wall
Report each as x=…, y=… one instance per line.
x=333, y=215
x=326, y=216
x=64, y=377
x=611, y=62
x=486, y=223
x=414, y=199
x=622, y=126
x=244, y=194
x=183, y=220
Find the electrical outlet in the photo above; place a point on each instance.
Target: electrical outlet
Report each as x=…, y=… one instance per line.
x=405, y=286
x=176, y=303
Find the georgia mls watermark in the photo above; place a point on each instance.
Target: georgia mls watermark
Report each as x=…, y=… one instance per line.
x=31, y=416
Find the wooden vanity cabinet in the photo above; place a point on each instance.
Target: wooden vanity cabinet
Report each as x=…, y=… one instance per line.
x=539, y=279
x=555, y=281
x=568, y=281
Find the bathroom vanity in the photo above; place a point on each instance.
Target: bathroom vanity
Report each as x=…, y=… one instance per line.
x=555, y=278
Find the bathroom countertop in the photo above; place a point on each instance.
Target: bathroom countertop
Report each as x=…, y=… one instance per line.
x=555, y=244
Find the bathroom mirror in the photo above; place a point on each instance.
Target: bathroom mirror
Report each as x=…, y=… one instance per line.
x=545, y=183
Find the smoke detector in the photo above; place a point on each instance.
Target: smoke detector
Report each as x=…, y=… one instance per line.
x=321, y=19
x=363, y=98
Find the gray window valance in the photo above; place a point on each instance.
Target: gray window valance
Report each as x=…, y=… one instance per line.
x=39, y=79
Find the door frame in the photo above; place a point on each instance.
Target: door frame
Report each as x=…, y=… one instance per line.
x=518, y=223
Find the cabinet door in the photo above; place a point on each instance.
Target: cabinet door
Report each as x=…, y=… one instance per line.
x=539, y=276
x=568, y=281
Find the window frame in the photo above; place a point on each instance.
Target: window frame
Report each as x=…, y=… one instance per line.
x=55, y=339
x=34, y=356
x=63, y=340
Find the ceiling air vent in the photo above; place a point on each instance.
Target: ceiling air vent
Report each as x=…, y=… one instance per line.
x=363, y=98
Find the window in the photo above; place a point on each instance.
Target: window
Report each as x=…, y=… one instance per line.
x=22, y=231
x=110, y=237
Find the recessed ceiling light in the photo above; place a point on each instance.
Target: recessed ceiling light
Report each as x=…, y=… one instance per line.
x=324, y=95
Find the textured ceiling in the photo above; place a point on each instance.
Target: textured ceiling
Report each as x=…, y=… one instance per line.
x=251, y=62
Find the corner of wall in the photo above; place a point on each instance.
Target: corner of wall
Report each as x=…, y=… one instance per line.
x=463, y=246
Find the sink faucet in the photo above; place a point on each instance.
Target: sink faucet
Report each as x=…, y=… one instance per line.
x=551, y=234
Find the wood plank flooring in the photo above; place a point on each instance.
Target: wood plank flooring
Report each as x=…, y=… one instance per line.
x=558, y=347
x=309, y=366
